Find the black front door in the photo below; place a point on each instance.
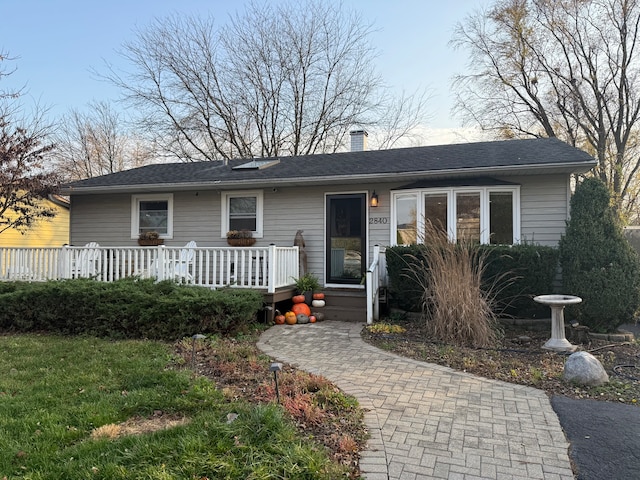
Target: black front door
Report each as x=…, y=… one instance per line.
x=346, y=238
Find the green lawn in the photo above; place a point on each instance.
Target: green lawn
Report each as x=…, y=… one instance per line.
x=55, y=391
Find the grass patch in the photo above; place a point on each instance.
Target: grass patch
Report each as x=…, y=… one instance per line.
x=319, y=410
x=78, y=408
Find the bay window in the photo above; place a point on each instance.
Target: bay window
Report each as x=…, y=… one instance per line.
x=467, y=217
x=487, y=215
x=406, y=218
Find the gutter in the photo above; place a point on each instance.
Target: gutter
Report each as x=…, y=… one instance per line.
x=509, y=170
x=59, y=200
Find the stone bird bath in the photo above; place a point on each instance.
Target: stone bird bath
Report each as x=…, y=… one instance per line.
x=558, y=342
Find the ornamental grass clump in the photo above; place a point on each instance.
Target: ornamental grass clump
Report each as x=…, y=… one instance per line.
x=457, y=308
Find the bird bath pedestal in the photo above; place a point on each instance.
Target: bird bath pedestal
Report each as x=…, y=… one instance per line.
x=558, y=341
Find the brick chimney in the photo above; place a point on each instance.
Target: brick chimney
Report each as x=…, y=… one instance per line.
x=358, y=140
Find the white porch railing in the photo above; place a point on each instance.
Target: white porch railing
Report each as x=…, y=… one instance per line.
x=241, y=267
x=373, y=287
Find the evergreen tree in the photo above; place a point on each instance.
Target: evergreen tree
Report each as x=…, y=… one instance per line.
x=598, y=263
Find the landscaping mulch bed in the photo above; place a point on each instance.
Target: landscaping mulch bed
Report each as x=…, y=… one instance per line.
x=317, y=407
x=519, y=358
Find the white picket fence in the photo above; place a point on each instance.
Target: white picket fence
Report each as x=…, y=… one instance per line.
x=265, y=268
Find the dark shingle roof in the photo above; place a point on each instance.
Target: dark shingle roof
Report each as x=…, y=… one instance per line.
x=415, y=163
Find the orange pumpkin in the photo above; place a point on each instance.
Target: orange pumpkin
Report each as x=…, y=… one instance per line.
x=312, y=319
x=290, y=318
x=318, y=296
x=298, y=299
x=301, y=308
x=279, y=318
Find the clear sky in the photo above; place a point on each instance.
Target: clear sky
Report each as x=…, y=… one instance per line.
x=58, y=42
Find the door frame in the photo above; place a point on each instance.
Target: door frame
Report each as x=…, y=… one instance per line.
x=365, y=214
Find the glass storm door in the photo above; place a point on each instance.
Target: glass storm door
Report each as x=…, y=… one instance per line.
x=346, y=241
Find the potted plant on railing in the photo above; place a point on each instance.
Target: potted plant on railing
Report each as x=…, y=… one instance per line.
x=240, y=238
x=149, y=239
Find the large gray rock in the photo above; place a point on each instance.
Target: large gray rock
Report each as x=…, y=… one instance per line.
x=584, y=369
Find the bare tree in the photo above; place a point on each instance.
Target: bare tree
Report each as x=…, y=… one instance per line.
x=559, y=68
x=290, y=79
x=6, y=94
x=95, y=142
x=398, y=119
x=24, y=155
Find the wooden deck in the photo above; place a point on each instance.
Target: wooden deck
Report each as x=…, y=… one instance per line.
x=270, y=270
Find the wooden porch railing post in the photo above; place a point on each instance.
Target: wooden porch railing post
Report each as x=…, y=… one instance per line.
x=272, y=267
x=376, y=283
x=372, y=287
x=65, y=263
x=161, y=260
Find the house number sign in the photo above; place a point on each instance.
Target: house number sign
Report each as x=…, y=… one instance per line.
x=378, y=220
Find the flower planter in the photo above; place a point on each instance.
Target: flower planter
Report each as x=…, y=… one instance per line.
x=241, y=242
x=151, y=242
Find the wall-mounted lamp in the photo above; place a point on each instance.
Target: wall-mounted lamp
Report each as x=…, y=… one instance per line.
x=374, y=199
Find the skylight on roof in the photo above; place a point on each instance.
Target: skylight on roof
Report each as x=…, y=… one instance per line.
x=256, y=165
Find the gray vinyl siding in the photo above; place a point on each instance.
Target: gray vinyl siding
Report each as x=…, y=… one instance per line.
x=106, y=219
x=544, y=208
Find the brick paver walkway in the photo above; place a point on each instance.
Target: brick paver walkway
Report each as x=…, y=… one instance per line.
x=425, y=420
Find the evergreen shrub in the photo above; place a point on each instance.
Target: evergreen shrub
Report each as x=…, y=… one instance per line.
x=515, y=274
x=128, y=308
x=598, y=263
x=519, y=273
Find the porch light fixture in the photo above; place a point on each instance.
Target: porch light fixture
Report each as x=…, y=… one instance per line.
x=374, y=199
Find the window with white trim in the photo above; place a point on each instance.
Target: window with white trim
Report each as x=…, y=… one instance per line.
x=489, y=215
x=242, y=210
x=152, y=213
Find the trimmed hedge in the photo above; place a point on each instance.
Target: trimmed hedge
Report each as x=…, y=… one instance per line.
x=128, y=308
x=521, y=272
x=515, y=273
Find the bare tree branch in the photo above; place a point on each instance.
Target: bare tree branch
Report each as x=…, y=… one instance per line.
x=96, y=143
x=565, y=68
x=286, y=79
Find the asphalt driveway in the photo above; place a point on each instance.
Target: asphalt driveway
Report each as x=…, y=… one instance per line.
x=604, y=437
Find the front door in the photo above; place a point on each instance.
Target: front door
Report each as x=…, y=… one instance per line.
x=346, y=238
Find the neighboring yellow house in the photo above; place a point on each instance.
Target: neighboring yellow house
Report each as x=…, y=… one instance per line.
x=46, y=232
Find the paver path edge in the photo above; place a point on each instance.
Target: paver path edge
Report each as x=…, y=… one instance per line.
x=426, y=420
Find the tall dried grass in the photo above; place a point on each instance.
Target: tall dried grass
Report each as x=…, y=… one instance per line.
x=457, y=309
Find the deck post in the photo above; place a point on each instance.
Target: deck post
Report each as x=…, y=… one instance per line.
x=64, y=264
x=372, y=284
x=272, y=267
x=161, y=262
